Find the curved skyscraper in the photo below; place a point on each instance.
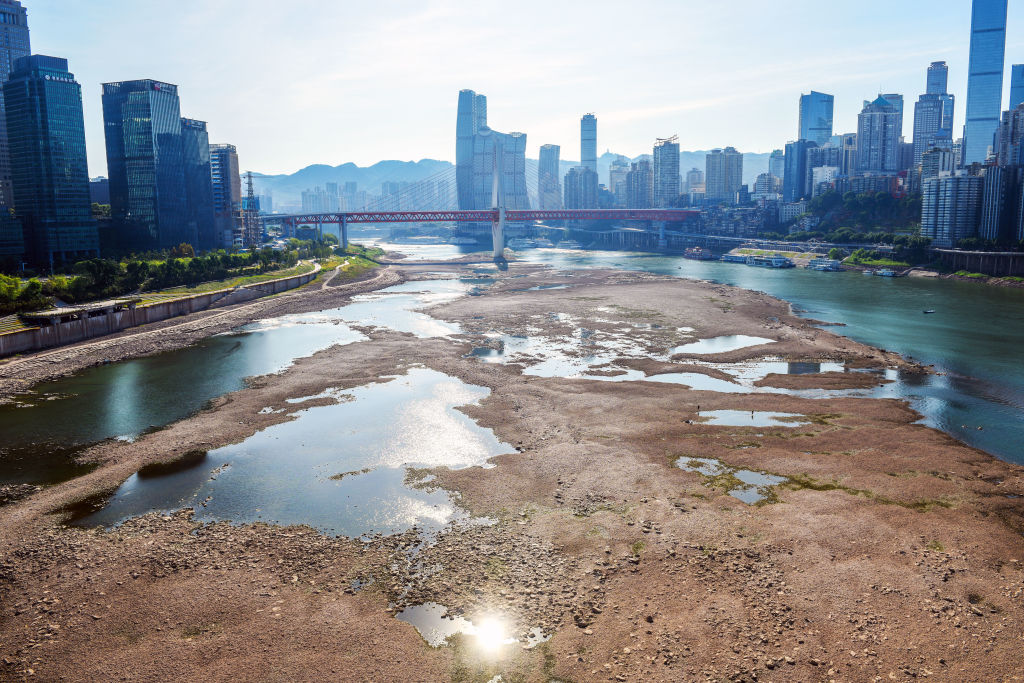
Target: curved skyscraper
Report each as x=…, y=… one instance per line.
x=985, y=78
x=816, y=110
x=479, y=150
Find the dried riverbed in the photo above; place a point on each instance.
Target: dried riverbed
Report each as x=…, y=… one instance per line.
x=602, y=529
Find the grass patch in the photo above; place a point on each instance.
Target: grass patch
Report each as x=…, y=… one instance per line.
x=878, y=262
x=216, y=285
x=936, y=546
x=797, y=482
x=973, y=276
x=638, y=548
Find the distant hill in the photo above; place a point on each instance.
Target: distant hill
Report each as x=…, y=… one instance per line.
x=288, y=188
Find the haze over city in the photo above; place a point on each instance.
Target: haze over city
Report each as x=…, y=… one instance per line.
x=303, y=82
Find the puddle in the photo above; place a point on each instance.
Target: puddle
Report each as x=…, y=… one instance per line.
x=289, y=473
x=743, y=418
x=436, y=626
x=396, y=308
x=748, y=486
x=716, y=345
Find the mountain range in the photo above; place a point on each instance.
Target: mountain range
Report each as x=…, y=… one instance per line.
x=287, y=188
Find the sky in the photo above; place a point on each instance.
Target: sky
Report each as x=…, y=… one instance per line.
x=298, y=82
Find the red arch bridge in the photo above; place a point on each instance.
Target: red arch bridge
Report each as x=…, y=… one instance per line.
x=496, y=217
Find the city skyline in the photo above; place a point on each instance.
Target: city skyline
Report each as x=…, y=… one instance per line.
x=342, y=98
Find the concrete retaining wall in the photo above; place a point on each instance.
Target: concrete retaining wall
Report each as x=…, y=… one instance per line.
x=61, y=334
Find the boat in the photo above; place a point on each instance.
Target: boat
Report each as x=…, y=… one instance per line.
x=825, y=265
x=521, y=243
x=776, y=261
x=734, y=258
x=698, y=254
x=868, y=272
x=886, y=273
x=929, y=311
x=544, y=243
x=569, y=244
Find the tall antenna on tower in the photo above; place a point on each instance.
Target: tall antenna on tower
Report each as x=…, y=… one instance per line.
x=252, y=229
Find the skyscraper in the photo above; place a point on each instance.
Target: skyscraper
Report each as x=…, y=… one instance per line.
x=933, y=113
x=666, y=173
x=816, y=117
x=479, y=151
x=617, y=179
x=472, y=116
x=694, y=180
x=1000, y=204
x=950, y=209
x=640, y=185
x=724, y=176
x=549, y=187
x=588, y=142
x=1016, y=86
x=1010, y=138
x=227, y=194
x=198, y=183
x=14, y=43
x=827, y=156
x=50, y=174
x=581, y=188
x=777, y=163
x=985, y=78
x=879, y=128
x=794, y=178
x=142, y=121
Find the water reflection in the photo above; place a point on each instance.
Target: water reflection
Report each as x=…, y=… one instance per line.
x=341, y=468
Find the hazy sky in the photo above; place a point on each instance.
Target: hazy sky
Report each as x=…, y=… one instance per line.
x=296, y=82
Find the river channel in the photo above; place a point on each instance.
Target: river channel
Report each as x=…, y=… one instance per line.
x=973, y=339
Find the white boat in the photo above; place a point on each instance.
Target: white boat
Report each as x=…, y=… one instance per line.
x=569, y=244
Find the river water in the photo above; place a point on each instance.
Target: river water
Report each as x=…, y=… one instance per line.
x=974, y=340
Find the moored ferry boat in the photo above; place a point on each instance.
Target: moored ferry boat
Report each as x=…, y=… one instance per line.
x=734, y=258
x=775, y=261
x=825, y=265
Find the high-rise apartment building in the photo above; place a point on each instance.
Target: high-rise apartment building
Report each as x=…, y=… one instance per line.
x=1000, y=204
x=985, y=78
x=827, y=156
x=1010, y=138
x=937, y=162
x=588, y=142
x=816, y=111
x=581, y=188
x=479, y=152
x=145, y=161
x=49, y=170
x=549, y=187
x=951, y=208
x=777, y=163
x=666, y=173
x=227, y=194
x=14, y=44
x=795, y=176
x=695, y=180
x=640, y=185
x=195, y=145
x=1016, y=85
x=617, y=179
x=724, y=175
x=933, y=113
x=472, y=116
x=879, y=128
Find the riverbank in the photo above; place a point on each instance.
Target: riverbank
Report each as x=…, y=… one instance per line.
x=882, y=549
x=20, y=373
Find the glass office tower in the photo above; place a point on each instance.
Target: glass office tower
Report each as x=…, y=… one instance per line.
x=588, y=142
x=49, y=171
x=985, y=78
x=145, y=162
x=816, y=110
x=14, y=44
x=198, y=183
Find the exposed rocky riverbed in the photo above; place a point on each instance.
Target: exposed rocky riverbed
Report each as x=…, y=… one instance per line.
x=613, y=544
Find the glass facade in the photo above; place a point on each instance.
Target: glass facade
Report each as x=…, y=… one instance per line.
x=145, y=161
x=666, y=173
x=879, y=128
x=14, y=44
x=1016, y=86
x=588, y=142
x=985, y=78
x=933, y=113
x=227, y=194
x=549, y=187
x=50, y=174
x=198, y=183
x=816, y=117
x=472, y=116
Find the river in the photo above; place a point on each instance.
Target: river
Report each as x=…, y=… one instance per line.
x=973, y=340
